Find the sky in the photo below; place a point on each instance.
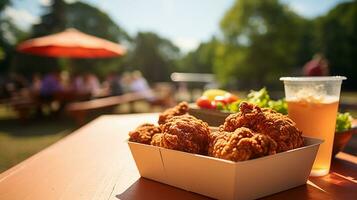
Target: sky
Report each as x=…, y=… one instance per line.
x=185, y=22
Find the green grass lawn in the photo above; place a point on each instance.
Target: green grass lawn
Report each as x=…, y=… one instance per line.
x=19, y=141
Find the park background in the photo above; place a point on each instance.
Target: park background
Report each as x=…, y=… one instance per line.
x=246, y=44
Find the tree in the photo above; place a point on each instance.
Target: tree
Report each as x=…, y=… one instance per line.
x=93, y=21
x=337, y=39
x=153, y=56
x=83, y=17
x=3, y=4
x=53, y=21
x=261, y=42
x=201, y=60
x=10, y=34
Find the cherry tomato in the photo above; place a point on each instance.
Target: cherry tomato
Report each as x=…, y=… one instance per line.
x=219, y=103
x=213, y=105
x=230, y=98
x=203, y=102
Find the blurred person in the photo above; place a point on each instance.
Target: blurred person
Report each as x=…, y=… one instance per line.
x=114, y=83
x=36, y=84
x=19, y=80
x=77, y=83
x=65, y=80
x=91, y=84
x=139, y=84
x=125, y=82
x=15, y=84
x=50, y=85
x=318, y=66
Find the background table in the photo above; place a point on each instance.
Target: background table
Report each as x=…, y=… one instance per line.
x=95, y=162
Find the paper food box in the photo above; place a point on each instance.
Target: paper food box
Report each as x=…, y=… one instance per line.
x=223, y=179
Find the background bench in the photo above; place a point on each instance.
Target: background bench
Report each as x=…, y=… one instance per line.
x=80, y=110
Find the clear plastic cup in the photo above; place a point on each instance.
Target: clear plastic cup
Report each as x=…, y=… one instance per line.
x=312, y=105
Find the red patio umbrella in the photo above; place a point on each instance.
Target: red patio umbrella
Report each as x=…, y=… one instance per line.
x=71, y=43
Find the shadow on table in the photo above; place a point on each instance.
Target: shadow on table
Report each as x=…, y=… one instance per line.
x=307, y=191
x=345, y=166
x=343, y=179
x=148, y=189
x=339, y=184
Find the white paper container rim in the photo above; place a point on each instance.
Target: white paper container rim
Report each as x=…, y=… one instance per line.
x=317, y=142
x=312, y=79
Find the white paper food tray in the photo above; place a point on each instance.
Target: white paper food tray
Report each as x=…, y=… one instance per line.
x=223, y=179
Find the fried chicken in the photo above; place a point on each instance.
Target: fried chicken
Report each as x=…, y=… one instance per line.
x=267, y=122
x=144, y=133
x=251, y=133
x=240, y=145
x=184, y=133
x=180, y=109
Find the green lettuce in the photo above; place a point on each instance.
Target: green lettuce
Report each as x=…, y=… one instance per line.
x=343, y=122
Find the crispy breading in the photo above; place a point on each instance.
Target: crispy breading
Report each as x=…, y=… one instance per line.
x=144, y=133
x=267, y=122
x=183, y=133
x=180, y=109
x=240, y=145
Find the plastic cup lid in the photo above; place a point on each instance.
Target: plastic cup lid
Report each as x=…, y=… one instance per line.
x=313, y=78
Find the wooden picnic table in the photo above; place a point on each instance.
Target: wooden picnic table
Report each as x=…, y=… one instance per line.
x=95, y=162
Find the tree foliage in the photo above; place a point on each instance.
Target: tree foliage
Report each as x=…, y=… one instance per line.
x=10, y=34
x=53, y=21
x=3, y=4
x=201, y=60
x=337, y=39
x=93, y=21
x=153, y=56
x=261, y=42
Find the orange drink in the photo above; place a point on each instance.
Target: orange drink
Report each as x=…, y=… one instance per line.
x=312, y=105
x=316, y=119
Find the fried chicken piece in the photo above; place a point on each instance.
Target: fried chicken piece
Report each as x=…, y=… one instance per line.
x=267, y=122
x=184, y=133
x=157, y=140
x=144, y=133
x=180, y=109
x=240, y=145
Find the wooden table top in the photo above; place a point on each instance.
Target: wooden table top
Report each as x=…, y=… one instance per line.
x=95, y=163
